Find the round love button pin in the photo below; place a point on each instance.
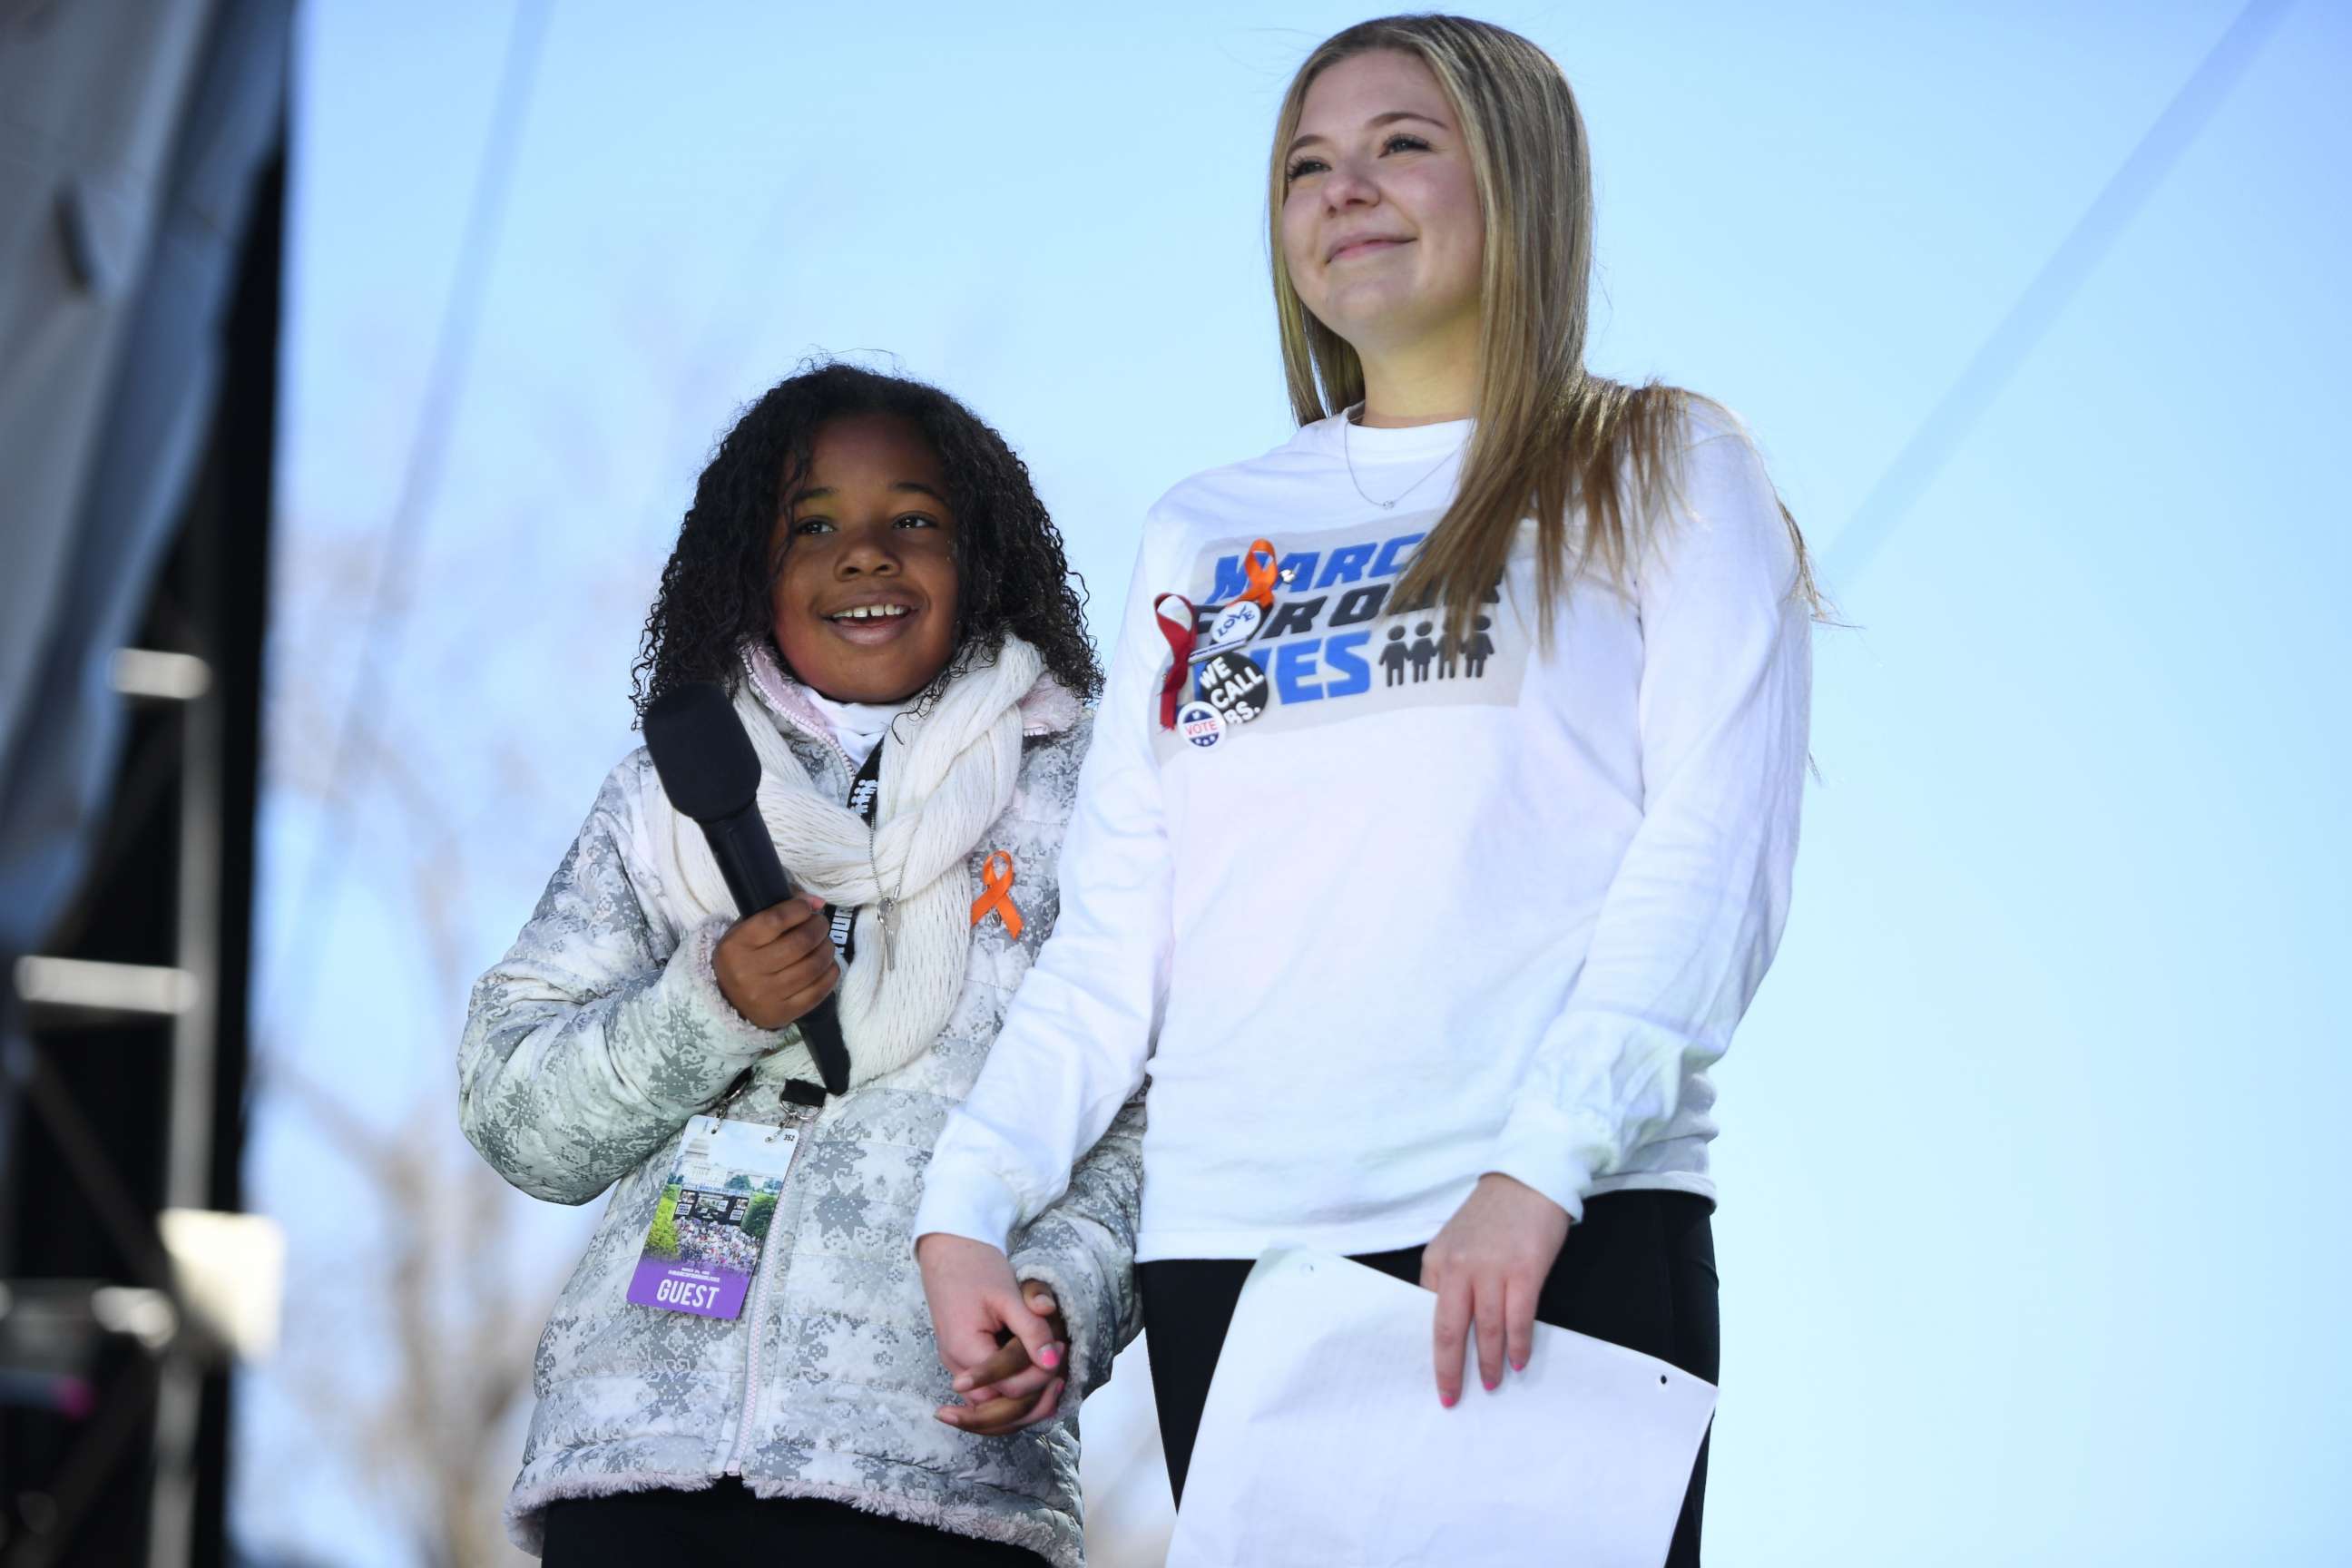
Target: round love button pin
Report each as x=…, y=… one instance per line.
x=1236, y=623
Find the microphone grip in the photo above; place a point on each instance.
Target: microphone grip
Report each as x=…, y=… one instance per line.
x=747, y=858
x=755, y=878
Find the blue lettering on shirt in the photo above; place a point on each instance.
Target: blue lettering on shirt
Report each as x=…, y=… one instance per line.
x=1294, y=666
x=1339, y=655
x=1231, y=581
x=1347, y=564
x=1301, y=645
x=1387, y=562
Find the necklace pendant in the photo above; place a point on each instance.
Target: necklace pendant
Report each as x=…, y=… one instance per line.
x=888, y=924
x=1388, y=506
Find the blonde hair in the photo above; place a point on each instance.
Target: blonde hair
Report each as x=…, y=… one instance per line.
x=1549, y=432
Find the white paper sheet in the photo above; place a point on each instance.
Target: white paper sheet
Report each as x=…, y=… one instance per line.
x=1323, y=1442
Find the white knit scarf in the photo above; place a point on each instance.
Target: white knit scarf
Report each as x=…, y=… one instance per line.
x=946, y=776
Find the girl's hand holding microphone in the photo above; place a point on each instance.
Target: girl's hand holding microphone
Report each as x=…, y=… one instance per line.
x=774, y=966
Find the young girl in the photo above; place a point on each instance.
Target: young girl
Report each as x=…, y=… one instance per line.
x=1439, y=825
x=741, y=1368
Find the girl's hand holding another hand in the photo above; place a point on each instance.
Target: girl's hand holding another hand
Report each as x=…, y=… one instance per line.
x=774, y=966
x=1009, y=1391
x=1006, y=1343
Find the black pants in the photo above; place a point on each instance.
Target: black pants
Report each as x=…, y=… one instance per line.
x=727, y=1525
x=1638, y=1272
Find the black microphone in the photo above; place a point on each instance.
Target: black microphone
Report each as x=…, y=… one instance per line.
x=711, y=773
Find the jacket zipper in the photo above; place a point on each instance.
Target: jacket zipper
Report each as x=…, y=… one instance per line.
x=831, y=744
x=756, y=1312
x=761, y=1278
x=756, y=1309
x=814, y=733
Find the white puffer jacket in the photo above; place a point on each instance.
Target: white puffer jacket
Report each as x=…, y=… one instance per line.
x=586, y=1050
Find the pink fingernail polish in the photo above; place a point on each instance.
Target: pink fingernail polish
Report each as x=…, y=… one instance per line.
x=1493, y=1385
x=1520, y=1364
x=1447, y=1400
x=1049, y=1357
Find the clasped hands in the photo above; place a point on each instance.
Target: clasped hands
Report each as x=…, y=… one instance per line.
x=1006, y=1342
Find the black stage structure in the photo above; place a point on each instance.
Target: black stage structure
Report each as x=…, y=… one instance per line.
x=123, y=1023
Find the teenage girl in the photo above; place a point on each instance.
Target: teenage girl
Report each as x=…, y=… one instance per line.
x=867, y=568
x=1439, y=823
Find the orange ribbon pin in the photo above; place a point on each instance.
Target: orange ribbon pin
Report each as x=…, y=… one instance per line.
x=999, y=895
x=1262, y=579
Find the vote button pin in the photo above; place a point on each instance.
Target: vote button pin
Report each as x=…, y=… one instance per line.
x=1200, y=724
x=1234, y=685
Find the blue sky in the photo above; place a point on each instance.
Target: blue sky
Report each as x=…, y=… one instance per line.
x=2029, y=1246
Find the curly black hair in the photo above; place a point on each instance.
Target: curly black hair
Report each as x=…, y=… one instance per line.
x=1012, y=575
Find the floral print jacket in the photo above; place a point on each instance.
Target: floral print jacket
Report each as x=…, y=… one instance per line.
x=588, y=1047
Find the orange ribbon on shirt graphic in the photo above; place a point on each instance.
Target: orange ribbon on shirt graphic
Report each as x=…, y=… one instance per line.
x=1261, y=576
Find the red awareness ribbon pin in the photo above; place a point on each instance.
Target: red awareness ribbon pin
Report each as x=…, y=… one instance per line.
x=1181, y=636
x=999, y=895
x=1262, y=579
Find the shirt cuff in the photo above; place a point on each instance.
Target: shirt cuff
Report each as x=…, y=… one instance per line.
x=966, y=1201
x=1538, y=1148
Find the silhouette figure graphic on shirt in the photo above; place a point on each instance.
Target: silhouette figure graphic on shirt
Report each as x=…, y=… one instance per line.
x=1422, y=652
x=1392, y=656
x=1449, y=651
x=1480, y=645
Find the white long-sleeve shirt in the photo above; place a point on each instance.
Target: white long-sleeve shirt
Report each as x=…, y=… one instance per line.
x=1441, y=909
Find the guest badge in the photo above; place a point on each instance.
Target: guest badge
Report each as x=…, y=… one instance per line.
x=713, y=1217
